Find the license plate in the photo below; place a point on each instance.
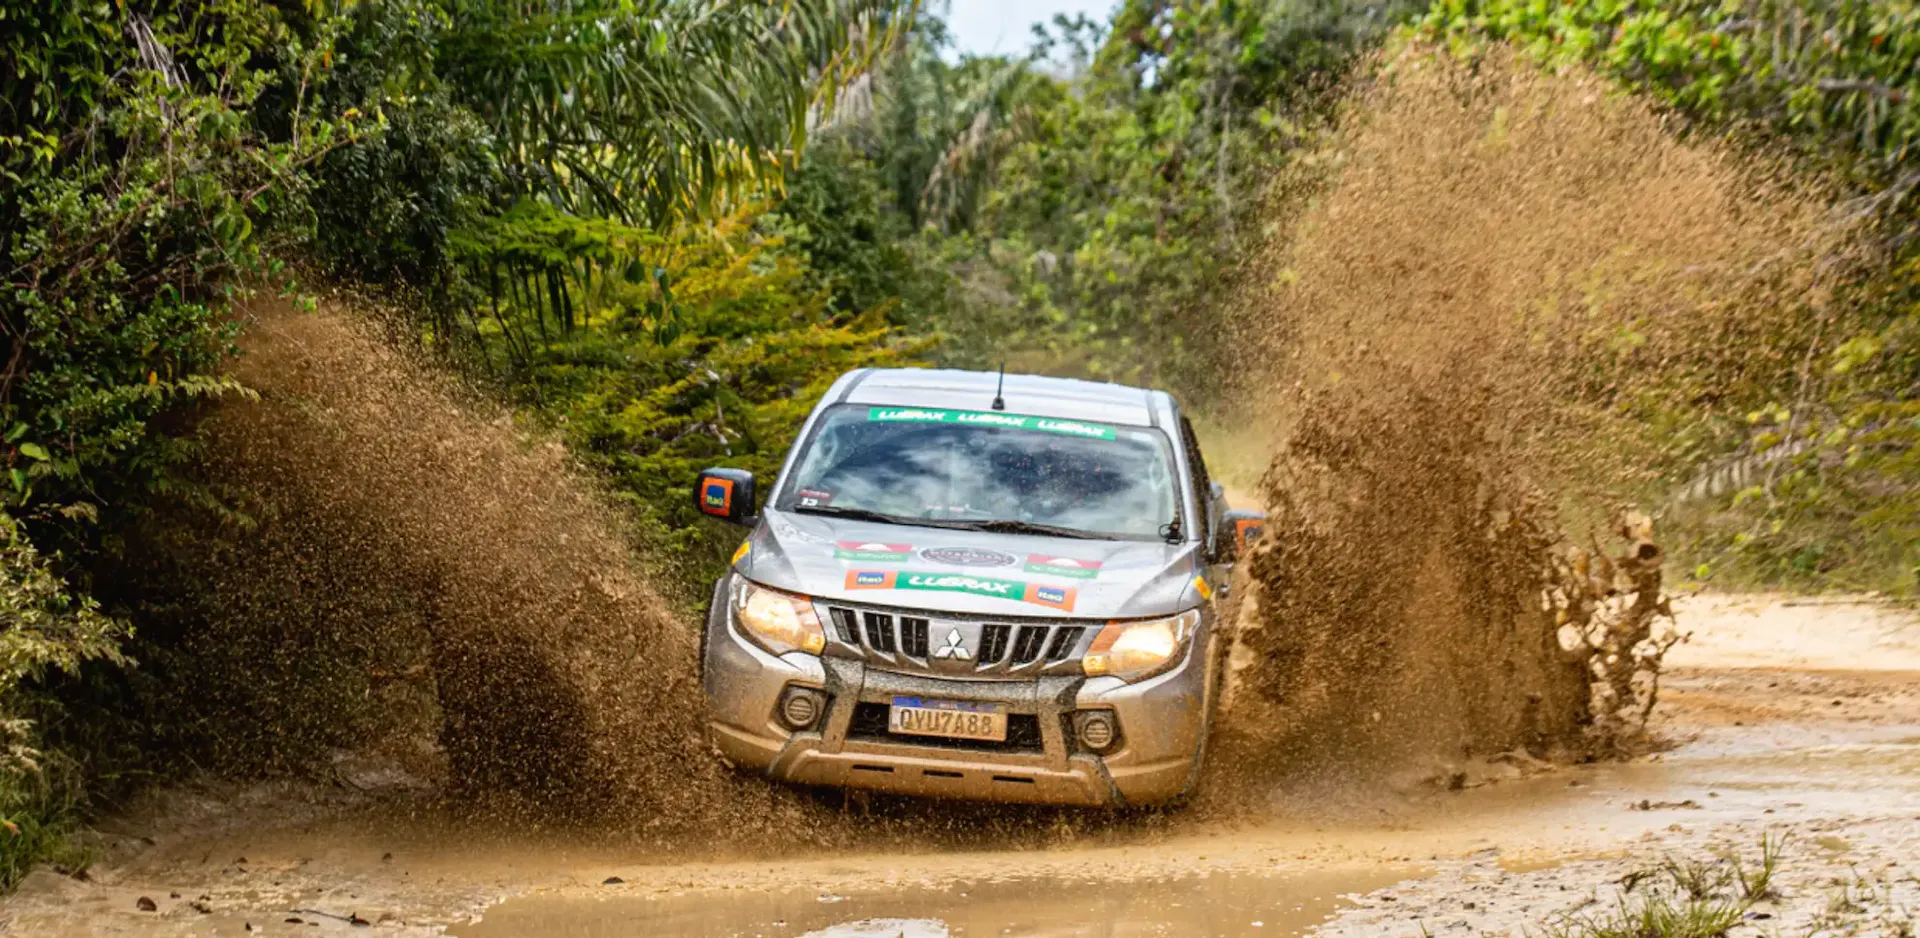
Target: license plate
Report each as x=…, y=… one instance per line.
x=959, y=719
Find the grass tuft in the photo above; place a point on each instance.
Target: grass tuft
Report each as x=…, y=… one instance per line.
x=1756, y=885
x=1654, y=917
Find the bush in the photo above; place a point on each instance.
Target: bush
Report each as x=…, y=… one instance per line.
x=43, y=628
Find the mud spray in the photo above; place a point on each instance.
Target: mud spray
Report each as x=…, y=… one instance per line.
x=413, y=573
x=1491, y=275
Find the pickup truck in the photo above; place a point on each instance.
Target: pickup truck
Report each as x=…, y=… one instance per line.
x=976, y=585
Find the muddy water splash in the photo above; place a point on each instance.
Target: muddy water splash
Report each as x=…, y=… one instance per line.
x=409, y=552
x=1501, y=272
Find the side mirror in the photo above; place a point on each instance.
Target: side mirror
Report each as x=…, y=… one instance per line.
x=1247, y=526
x=726, y=494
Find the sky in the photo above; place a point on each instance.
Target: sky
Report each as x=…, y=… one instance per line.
x=988, y=26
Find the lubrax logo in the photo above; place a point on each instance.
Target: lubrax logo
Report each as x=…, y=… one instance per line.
x=881, y=413
x=994, y=420
x=1075, y=429
x=965, y=584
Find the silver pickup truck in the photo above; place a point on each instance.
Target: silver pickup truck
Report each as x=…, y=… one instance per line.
x=974, y=585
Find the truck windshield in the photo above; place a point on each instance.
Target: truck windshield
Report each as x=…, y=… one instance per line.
x=912, y=464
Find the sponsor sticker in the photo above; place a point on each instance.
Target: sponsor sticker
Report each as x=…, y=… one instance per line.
x=967, y=557
x=746, y=547
x=962, y=583
x=872, y=551
x=1206, y=590
x=1091, y=431
x=1058, y=597
x=870, y=579
x=813, y=498
x=1249, y=530
x=1063, y=566
x=716, y=496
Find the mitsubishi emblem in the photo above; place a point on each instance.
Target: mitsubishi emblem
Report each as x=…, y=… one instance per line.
x=953, y=648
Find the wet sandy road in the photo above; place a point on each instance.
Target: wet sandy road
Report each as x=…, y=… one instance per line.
x=1799, y=719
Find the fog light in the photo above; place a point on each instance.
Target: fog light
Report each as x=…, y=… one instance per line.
x=800, y=707
x=1097, y=731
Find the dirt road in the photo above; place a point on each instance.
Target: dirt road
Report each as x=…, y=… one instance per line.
x=1794, y=719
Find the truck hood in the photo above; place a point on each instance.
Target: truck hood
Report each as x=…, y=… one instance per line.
x=970, y=572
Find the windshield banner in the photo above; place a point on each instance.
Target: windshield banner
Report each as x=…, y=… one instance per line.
x=1089, y=431
x=1040, y=594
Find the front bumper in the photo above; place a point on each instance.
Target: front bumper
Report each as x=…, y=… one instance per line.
x=1162, y=721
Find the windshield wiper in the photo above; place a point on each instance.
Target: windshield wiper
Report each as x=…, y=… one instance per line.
x=1029, y=527
x=865, y=514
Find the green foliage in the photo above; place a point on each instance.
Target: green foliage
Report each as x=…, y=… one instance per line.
x=43, y=629
x=1082, y=210
x=137, y=186
x=135, y=190
x=703, y=347
x=857, y=247
x=1837, y=79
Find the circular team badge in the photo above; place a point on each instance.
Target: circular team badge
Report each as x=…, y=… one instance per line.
x=967, y=557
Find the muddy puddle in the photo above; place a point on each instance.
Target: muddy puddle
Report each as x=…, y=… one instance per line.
x=1054, y=907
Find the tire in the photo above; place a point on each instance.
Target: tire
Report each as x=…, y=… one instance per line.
x=706, y=633
x=1214, y=683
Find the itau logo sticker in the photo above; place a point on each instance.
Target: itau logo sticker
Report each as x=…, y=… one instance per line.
x=1063, y=566
x=1059, y=597
x=870, y=579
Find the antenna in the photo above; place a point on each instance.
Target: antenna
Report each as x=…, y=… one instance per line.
x=1000, y=403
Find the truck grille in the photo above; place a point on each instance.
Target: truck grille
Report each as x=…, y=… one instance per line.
x=924, y=644
x=913, y=636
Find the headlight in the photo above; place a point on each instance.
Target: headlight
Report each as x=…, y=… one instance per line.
x=1134, y=651
x=780, y=622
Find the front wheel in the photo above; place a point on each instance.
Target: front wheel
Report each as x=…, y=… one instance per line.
x=1218, y=671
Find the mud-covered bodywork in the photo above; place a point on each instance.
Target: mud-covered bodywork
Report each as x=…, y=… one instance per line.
x=930, y=610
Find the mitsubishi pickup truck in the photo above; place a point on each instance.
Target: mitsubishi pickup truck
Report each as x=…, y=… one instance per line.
x=972, y=585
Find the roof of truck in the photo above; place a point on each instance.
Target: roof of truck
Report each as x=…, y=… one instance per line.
x=1068, y=398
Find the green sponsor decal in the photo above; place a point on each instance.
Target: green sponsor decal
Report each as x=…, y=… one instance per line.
x=1091, y=431
x=1054, y=569
x=872, y=551
x=871, y=556
x=956, y=583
